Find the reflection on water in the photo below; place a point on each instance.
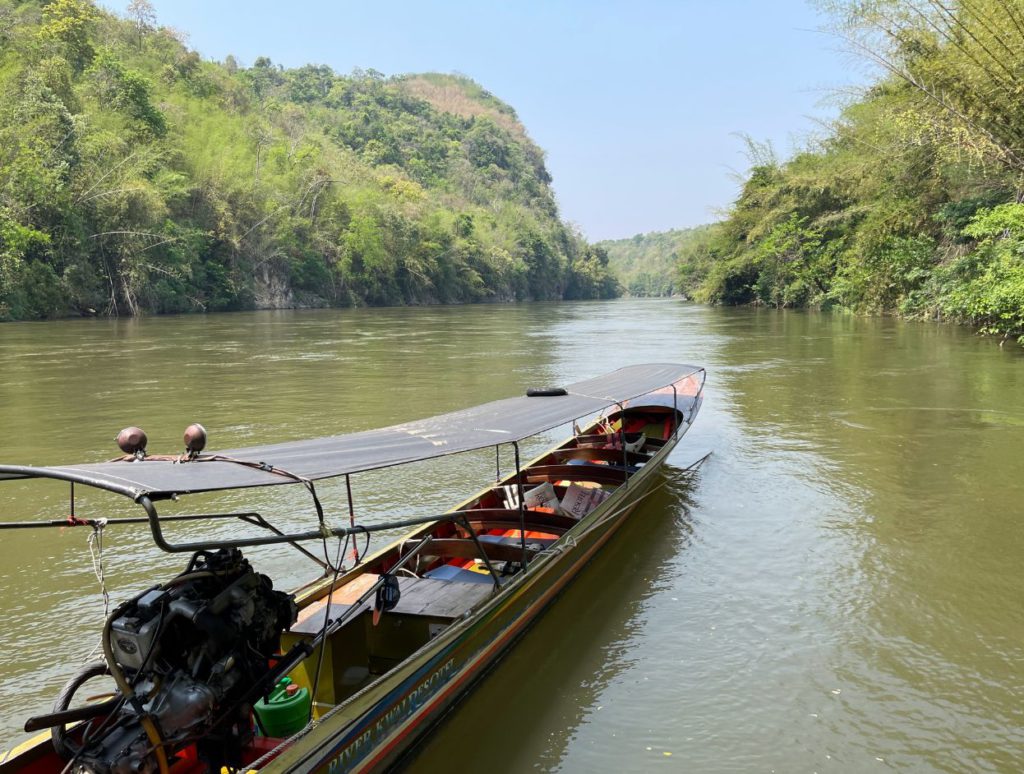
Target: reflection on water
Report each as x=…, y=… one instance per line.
x=839, y=589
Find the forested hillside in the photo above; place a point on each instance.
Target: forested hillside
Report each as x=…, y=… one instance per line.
x=912, y=204
x=135, y=176
x=647, y=264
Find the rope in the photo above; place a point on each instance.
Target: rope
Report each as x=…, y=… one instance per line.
x=96, y=554
x=95, y=543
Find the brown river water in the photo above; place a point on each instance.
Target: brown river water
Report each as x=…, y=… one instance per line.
x=840, y=587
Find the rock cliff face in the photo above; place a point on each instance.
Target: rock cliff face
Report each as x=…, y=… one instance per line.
x=143, y=178
x=272, y=291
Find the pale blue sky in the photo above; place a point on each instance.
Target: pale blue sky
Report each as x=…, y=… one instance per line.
x=636, y=103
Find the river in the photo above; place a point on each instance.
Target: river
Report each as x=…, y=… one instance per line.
x=840, y=587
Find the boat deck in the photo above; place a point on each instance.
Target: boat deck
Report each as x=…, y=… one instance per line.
x=420, y=597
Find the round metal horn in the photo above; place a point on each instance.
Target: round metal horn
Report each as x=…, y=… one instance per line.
x=132, y=440
x=195, y=438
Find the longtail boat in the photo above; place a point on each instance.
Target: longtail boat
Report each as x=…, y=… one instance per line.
x=216, y=670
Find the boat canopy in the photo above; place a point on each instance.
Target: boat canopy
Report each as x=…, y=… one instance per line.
x=501, y=421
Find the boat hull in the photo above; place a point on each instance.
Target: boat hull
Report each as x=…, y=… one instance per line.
x=374, y=728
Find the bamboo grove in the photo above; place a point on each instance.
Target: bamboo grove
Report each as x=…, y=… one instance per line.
x=912, y=202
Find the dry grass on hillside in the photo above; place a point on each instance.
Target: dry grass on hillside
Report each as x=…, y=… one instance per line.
x=452, y=98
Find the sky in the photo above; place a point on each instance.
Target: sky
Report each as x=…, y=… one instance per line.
x=639, y=106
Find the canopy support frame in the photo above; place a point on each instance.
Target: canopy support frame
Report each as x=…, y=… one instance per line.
x=520, y=496
x=625, y=452
x=154, y=520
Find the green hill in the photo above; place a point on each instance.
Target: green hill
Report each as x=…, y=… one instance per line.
x=135, y=176
x=647, y=264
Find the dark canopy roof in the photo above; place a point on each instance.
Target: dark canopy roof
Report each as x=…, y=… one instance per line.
x=501, y=421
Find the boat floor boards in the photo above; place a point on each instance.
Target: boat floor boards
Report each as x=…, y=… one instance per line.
x=420, y=596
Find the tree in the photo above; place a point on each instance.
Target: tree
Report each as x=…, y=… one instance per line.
x=486, y=143
x=126, y=90
x=143, y=14
x=68, y=24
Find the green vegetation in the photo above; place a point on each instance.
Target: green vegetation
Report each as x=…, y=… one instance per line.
x=647, y=264
x=912, y=204
x=134, y=176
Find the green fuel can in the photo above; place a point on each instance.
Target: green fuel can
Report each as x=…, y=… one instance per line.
x=285, y=711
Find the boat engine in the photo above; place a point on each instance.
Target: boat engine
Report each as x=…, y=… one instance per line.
x=192, y=652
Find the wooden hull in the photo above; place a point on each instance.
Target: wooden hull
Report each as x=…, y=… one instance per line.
x=372, y=729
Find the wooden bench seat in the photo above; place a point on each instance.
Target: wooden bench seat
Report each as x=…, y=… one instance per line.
x=465, y=548
x=483, y=519
x=598, y=474
x=614, y=456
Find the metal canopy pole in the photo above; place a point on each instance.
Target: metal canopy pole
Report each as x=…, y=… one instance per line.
x=213, y=545
x=250, y=516
x=675, y=411
x=522, y=504
x=258, y=521
x=625, y=453
x=464, y=521
x=351, y=516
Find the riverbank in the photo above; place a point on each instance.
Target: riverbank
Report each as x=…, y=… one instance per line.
x=910, y=202
x=138, y=177
x=830, y=311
